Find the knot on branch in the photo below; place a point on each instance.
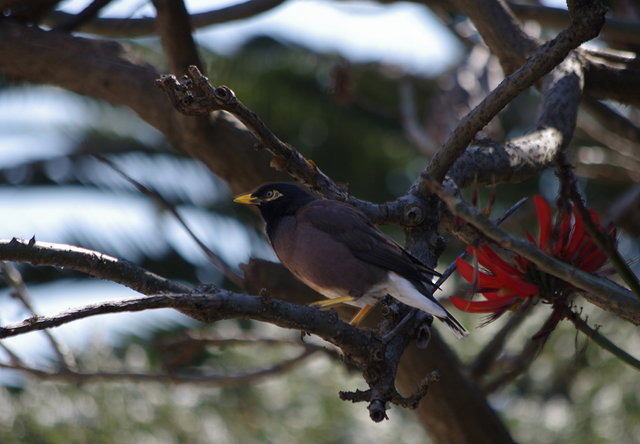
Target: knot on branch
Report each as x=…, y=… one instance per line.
x=379, y=401
x=193, y=95
x=225, y=95
x=414, y=214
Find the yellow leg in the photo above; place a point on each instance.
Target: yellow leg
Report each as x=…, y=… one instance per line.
x=360, y=315
x=328, y=303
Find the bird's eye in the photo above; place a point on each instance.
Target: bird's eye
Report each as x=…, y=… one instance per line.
x=271, y=195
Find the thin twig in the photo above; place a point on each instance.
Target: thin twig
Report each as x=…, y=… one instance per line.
x=599, y=339
x=174, y=378
x=13, y=278
x=521, y=362
x=485, y=358
x=215, y=260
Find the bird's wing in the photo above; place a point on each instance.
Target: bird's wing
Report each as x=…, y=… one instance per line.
x=350, y=226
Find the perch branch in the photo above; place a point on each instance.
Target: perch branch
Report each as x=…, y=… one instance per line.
x=377, y=360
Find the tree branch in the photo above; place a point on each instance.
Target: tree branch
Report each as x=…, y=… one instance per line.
x=377, y=360
x=518, y=159
x=87, y=261
x=14, y=279
x=599, y=339
x=549, y=55
x=193, y=95
x=131, y=28
x=213, y=379
x=107, y=70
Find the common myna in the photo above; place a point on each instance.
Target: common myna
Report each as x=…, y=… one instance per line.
x=333, y=248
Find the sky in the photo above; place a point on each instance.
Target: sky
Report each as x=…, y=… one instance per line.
x=414, y=39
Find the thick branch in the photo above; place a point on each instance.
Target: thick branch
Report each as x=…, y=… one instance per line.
x=107, y=70
x=500, y=30
x=521, y=158
x=544, y=60
x=101, y=69
x=91, y=262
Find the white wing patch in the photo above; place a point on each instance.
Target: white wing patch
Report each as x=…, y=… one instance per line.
x=404, y=291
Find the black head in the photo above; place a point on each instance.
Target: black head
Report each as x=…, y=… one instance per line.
x=276, y=200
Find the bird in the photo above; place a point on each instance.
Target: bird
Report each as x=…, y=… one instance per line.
x=332, y=247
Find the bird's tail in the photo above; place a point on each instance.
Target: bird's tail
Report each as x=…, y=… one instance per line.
x=456, y=327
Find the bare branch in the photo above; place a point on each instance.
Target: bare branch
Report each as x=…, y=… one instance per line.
x=195, y=96
x=214, y=259
x=13, y=278
x=500, y=31
x=91, y=262
x=129, y=28
x=520, y=158
x=108, y=70
x=376, y=359
x=508, y=41
x=487, y=356
x=599, y=339
x=213, y=379
x=544, y=60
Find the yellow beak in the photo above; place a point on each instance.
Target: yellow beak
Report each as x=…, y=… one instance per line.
x=246, y=199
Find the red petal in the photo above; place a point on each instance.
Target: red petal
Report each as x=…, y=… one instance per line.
x=593, y=261
x=531, y=239
x=469, y=273
x=544, y=222
x=517, y=285
x=489, y=259
x=482, y=306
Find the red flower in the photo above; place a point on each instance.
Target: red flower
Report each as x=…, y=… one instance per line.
x=505, y=285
